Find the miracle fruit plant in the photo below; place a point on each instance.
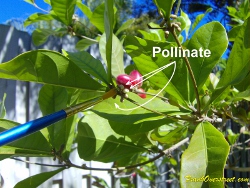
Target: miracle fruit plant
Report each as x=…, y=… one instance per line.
x=189, y=115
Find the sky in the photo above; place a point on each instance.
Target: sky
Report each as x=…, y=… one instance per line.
x=18, y=9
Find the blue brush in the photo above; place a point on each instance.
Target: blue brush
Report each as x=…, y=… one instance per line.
x=38, y=124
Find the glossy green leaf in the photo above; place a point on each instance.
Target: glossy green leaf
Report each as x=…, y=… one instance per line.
x=89, y=64
x=47, y=1
x=242, y=95
x=47, y=67
x=36, y=17
x=141, y=52
x=216, y=41
x=168, y=136
x=107, y=109
x=199, y=18
x=232, y=34
x=149, y=36
x=97, y=18
x=83, y=44
x=84, y=9
x=2, y=107
x=40, y=36
x=32, y=145
x=205, y=156
x=164, y=7
x=127, y=128
x=232, y=137
x=236, y=72
x=52, y=99
x=187, y=22
x=109, y=47
x=64, y=9
x=38, y=179
x=117, y=65
x=159, y=32
x=125, y=26
x=97, y=141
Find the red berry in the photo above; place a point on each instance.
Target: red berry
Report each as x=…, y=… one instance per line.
x=125, y=80
x=142, y=95
x=136, y=77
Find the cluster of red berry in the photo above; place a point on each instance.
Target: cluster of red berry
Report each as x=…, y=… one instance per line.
x=130, y=82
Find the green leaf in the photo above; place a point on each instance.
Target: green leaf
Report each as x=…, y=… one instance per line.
x=97, y=141
x=47, y=1
x=141, y=52
x=84, y=43
x=30, y=1
x=187, y=22
x=240, y=96
x=89, y=64
x=2, y=107
x=85, y=9
x=64, y=9
x=31, y=145
x=47, y=67
x=116, y=62
x=108, y=110
x=128, y=122
x=167, y=136
x=153, y=34
x=236, y=72
x=52, y=99
x=215, y=41
x=124, y=128
x=97, y=18
x=40, y=36
x=206, y=156
x=232, y=137
x=109, y=47
x=233, y=33
x=36, y=17
x=125, y=26
x=164, y=7
x=200, y=17
x=38, y=179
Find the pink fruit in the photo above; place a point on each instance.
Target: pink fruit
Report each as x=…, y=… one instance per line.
x=125, y=80
x=142, y=95
x=136, y=78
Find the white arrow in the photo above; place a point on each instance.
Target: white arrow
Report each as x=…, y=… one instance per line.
x=129, y=109
x=152, y=74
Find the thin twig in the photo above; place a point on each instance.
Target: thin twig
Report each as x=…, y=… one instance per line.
x=177, y=7
x=69, y=164
x=40, y=164
x=84, y=37
x=172, y=30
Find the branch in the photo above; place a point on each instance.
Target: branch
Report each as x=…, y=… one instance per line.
x=40, y=164
x=172, y=30
x=84, y=37
x=69, y=164
x=238, y=169
x=177, y=8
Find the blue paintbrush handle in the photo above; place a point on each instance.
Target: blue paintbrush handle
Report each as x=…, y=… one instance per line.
x=30, y=127
x=38, y=124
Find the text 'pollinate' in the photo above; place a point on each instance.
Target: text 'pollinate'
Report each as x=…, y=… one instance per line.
x=178, y=52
